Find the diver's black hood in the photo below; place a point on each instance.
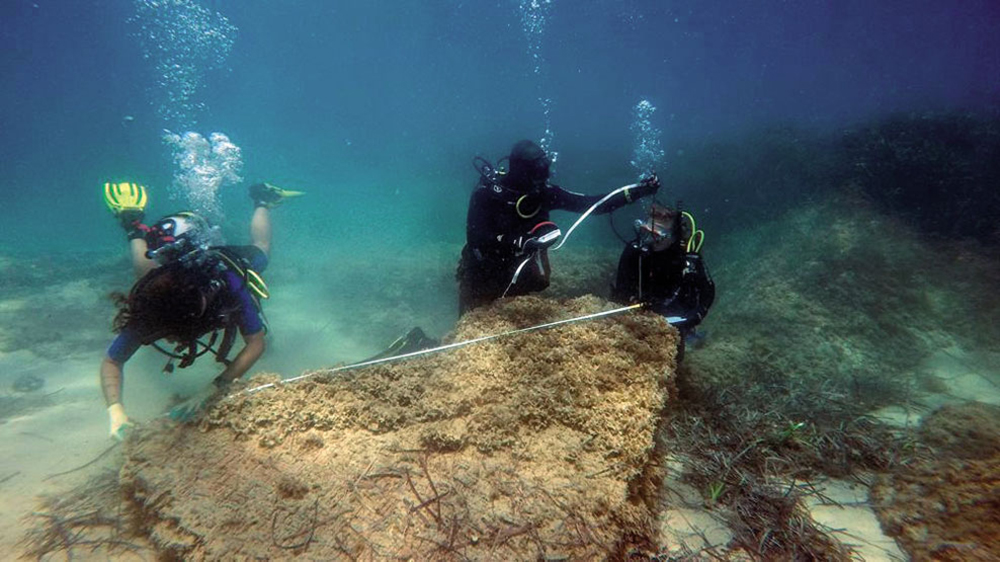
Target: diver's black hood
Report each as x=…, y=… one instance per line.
x=529, y=167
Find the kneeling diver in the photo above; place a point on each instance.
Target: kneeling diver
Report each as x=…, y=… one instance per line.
x=508, y=230
x=663, y=268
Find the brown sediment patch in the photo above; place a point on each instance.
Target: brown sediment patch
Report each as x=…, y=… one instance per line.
x=534, y=446
x=944, y=505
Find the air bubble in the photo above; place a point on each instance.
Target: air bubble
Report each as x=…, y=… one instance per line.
x=183, y=41
x=204, y=167
x=647, y=152
x=534, y=18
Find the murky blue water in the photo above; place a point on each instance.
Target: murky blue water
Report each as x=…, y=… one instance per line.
x=379, y=108
x=376, y=109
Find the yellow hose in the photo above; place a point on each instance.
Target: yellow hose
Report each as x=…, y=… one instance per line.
x=697, y=236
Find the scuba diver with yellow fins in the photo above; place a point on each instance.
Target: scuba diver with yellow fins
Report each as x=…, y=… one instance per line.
x=189, y=286
x=663, y=268
x=508, y=231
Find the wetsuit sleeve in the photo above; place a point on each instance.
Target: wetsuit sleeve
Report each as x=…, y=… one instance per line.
x=696, y=295
x=706, y=287
x=249, y=319
x=124, y=346
x=559, y=198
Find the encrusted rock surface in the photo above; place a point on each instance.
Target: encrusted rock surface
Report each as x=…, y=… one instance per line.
x=539, y=445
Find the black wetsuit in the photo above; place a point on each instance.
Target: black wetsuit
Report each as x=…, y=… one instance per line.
x=672, y=282
x=499, y=220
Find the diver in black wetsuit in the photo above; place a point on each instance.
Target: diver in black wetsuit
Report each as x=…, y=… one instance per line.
x=663, y=269
x=508, y=223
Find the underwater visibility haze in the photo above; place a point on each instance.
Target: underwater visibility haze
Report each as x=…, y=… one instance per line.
x=841, y=159
x=331, y=93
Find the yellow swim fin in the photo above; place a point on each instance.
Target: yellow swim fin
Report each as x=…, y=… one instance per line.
x=125, y=198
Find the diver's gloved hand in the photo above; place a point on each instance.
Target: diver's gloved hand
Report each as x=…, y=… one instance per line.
x=543, y=235
x=188, y=409
x=120, y=423
x=270, y=196
x=131, y=222
x=648, y=186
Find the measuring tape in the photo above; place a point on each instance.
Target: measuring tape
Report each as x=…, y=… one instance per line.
x=439, y=348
